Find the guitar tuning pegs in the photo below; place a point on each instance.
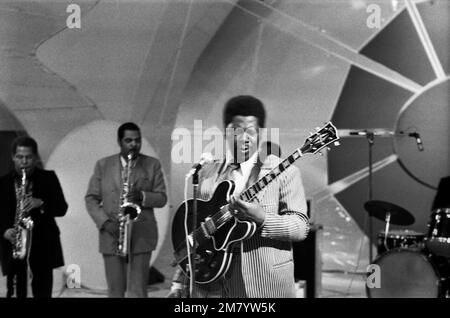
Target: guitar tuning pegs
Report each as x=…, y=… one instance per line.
x=328, y=148
x=337, y=143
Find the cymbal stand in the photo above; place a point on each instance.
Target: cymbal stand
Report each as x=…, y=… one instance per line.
x=370, y=139
x=386, y=229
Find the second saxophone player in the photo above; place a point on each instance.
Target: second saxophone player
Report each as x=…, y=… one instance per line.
x=126, y=184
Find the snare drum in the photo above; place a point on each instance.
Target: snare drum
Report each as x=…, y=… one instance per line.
x=406, y=273
x=438, y=238
x=399, y=238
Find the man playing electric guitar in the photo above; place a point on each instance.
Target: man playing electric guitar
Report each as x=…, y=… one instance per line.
x=262, y=264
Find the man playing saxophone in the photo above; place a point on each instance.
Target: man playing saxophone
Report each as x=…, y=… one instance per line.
x=23, y=224
x=121, y=195
x=31, y=198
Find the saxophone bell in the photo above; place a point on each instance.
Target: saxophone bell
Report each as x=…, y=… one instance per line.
x=129, y=208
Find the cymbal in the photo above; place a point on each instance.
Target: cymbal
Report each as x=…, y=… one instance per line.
x=379, y=209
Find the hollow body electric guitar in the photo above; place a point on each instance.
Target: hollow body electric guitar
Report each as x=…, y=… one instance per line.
x=217, y=229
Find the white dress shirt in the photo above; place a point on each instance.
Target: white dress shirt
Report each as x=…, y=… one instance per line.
x=241, y=175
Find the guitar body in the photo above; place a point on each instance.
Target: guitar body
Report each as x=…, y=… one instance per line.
x=214, y=246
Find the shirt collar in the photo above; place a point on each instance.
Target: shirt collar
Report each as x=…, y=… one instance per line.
x=250, y=162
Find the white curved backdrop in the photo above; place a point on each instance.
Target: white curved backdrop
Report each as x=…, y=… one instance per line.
x=73, y=160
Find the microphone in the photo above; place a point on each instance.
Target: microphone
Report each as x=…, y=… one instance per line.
x=204, y=159
x=358, y=133
x=373, y=132
x=418, y=140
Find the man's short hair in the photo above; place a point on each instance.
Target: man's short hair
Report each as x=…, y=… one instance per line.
x=244, y=105
x=126, y=126
x=24, y=141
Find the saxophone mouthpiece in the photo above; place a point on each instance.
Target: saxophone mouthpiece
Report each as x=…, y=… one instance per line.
x=132, y=154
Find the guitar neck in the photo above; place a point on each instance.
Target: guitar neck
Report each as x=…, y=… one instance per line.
x=250, y=193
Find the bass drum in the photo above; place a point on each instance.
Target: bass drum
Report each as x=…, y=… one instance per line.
x=406, y=273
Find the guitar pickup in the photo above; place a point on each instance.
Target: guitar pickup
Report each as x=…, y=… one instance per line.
x=208, y=227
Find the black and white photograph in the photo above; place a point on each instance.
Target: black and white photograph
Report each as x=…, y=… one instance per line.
x=227, y=149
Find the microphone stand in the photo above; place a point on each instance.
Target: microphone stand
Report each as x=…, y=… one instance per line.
x=194, y=225
x=192, y=256
x=370, y=139
x=370, y=136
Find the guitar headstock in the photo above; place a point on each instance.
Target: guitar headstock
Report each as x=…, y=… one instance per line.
x=320, y=139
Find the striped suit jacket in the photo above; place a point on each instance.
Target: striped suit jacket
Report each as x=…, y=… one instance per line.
x=263, y=265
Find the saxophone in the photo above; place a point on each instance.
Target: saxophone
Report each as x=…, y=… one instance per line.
x=23, y=224
x=128, y=212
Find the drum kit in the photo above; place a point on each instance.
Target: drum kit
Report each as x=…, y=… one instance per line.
x=411, y=264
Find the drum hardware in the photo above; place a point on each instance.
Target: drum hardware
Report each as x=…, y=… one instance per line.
x=438, y=238
x=399, y=238
x=412, y=264
x=406, y=268
x=386, y=230
x=389, y=213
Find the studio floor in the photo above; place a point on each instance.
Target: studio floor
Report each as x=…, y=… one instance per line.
x=334, y=283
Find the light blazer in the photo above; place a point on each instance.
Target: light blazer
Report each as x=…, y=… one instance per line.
x=103, y=200
x=266, y=268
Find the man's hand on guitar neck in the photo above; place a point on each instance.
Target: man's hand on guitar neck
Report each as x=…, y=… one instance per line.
x=247, y=211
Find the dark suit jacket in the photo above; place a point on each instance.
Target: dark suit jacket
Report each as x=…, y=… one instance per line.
x=103, y=200
x=46, y=250
x=442, y=198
